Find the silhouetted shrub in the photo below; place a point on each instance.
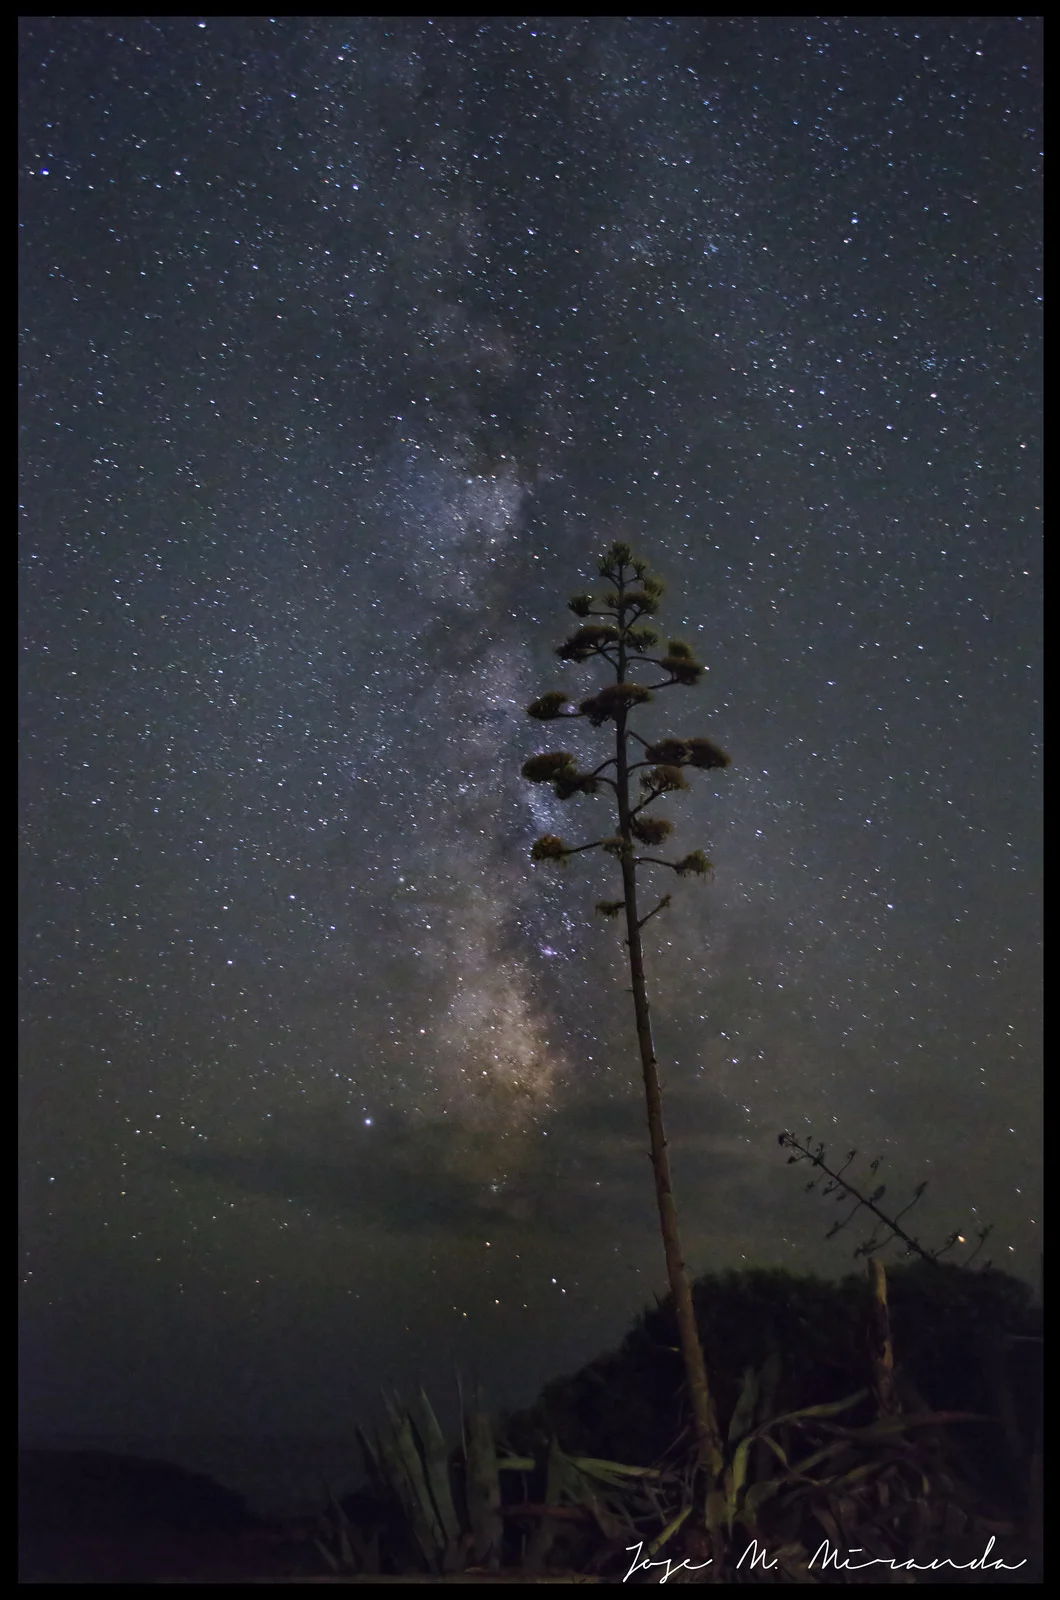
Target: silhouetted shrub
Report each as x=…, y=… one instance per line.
x=953, y=1334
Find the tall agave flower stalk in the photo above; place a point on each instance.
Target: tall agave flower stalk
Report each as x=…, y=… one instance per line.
x=637, y=774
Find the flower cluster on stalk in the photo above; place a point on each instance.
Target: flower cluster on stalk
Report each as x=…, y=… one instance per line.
x=612, y=630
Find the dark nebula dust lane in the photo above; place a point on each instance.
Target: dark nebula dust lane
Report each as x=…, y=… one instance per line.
x=347, y=345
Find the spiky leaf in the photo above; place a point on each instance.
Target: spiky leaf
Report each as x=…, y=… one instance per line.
x=484, y=1490
x=672, y=1527
x=419, y=1501
x=615, y=1473
x=768, y=1379
x=436, y=1469
x=743, y=1416
x=541, y=1540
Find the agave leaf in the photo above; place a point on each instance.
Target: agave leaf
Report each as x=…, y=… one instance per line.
x=920, y=1529
x=743, y=1415
x=716, y=1509
x=346, y=1535
x=831, y=1408
x=340, y=1526
x=436, y=1471
x=426, y=1522
x=371, y=1456
x=874, y=1540
x=370, y=1563
x=326, y=1553
x=390, y=1464
x=728, y=1495
x=859, y=1474
x=516, y=1464
x=925, y=1419
x=610, y=1520
x=793, y=1560
x=612, y=1472
x=768, y=1380
x=757, y=1495
x=761, y=1437
x=578, y=1478
x=739, y=1471
x=803, y=1468
x=334, y=1508
x=670, y=1529
x=399, y=1468
x=540, y=1542
x=845, y=1513
x=392, y=1472
x=483, y=1489
x=828, y=1522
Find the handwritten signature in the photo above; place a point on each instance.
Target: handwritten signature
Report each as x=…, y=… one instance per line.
x=827, y=1557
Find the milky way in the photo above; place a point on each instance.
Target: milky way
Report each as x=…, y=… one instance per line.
x=348, y=344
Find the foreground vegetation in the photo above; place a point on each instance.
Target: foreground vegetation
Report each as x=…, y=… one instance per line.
x=825, y=1440
x=829, y=1446
x=755, y=1426
x=614, y=635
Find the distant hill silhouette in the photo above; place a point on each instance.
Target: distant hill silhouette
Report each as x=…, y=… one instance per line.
x=95, y=1516
x=96, y=1487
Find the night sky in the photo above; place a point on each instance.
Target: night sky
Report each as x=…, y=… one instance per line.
x=348, y=345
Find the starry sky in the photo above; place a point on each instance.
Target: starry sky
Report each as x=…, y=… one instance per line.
x=348, y=345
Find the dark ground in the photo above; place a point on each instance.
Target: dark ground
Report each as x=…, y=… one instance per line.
x=93, y=1517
